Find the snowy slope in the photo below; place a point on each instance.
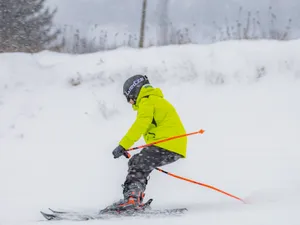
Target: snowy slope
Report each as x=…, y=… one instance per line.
x=56, y=139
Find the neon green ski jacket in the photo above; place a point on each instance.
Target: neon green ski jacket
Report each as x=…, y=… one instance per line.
x=156, y=119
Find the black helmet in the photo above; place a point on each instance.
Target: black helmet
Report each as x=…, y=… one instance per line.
x=133, y=85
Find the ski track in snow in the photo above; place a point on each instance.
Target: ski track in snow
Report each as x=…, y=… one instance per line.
x=56, y=139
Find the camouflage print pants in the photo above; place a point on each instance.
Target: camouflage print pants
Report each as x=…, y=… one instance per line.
x=142, y=164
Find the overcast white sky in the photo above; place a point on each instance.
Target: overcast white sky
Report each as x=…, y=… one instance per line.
x=125, y=14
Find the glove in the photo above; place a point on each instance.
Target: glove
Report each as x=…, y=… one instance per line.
x=119, y=151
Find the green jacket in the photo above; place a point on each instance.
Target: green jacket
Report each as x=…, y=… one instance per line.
x=156, y=120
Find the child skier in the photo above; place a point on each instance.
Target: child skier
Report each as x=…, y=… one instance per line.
x=156, y=120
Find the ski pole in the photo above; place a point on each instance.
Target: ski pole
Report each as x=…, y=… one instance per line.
x=195, y=182
x=167, y=139
x=201, y=184
x=127, y=155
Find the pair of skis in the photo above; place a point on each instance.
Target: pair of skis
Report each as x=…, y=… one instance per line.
x=145, y=211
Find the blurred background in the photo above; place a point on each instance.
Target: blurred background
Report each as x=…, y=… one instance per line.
x=85, y=26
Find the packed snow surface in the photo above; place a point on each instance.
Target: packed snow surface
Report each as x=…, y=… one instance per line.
x=62, y=115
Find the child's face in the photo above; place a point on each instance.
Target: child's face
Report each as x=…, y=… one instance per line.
x=131, y=102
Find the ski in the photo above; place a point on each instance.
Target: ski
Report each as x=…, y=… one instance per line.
x=80, y=216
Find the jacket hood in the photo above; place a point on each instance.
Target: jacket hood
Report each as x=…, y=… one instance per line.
x=147, y=90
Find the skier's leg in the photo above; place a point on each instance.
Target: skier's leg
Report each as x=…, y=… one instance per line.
x=139, y=168
x=141, y=165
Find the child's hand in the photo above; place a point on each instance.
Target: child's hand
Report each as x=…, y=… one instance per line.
x=119, y=151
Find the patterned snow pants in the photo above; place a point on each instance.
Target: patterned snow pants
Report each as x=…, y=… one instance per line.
x=142, y=164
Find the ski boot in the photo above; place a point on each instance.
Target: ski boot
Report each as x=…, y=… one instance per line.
x=127, y=205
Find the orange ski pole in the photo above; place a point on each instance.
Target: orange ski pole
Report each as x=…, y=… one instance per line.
x=201, y=184
x=127, y=155
x=194, y=182
x=167, y=139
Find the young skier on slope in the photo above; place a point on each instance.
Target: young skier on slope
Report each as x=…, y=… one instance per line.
x=156, y=120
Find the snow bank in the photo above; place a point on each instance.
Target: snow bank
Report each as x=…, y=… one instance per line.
x=227, y=62
x=62, y=115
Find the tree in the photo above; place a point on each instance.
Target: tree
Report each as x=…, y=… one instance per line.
x=26, y=26
x=164, y=22
x=143, y=21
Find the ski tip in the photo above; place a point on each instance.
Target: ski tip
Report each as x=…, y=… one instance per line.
x=52, y=210
x=55, y=211
x=45, y=215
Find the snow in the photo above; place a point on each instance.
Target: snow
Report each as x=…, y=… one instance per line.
x=56, y=139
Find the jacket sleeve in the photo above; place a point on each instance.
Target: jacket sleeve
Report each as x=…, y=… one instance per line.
x=140, y=126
